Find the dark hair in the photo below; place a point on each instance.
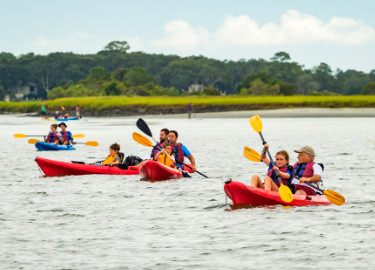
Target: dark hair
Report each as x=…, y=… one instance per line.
x=165, y=130
x=115, y=147
x=166, y=144
x=175, y=133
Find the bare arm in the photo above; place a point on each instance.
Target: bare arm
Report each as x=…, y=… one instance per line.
x=314, y=178
x=192, y=160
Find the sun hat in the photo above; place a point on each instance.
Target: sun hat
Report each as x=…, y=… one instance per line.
x=306, y=149
x=62, y=123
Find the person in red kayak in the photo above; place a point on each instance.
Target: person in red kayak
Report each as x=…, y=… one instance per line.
x=65, y=136
x=306, y=173
x=180, y=151
x=53, y=135
x=165, y=156
x=163, y=139
x=282, y=167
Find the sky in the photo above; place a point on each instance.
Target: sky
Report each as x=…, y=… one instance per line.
x=338, y=33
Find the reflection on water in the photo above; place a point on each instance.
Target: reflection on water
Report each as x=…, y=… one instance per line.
x=120, y=222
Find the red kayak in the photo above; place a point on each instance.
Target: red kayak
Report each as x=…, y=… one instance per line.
x=155, y=171
x=240, y=193
x=55, y=168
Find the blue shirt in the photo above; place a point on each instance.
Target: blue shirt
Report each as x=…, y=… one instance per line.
x=185, y=152
x=275, y=180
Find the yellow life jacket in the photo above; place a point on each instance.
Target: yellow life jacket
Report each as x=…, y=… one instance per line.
x=164, y=159
x=110, y=159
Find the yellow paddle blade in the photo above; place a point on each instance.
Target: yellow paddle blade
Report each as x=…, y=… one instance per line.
x=256, y=123
x=142, y=139
x=334, y=197
x=62, y=107
x=92, y=143
x=20, y=135
x=251, y=154
x=33, y=141
x=78, y=136
x=285, y=193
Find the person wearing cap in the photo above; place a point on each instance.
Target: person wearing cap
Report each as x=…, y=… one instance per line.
x=65, y=136
x=306, y=173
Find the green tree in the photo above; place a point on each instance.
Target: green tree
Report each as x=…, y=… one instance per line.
x=119, y=46
x=113, y=89
x=138, y=76
x=2, y=92
x=281, y=57
x=211, y=91
x=369, y=89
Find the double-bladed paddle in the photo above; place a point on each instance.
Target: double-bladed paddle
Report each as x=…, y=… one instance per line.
x=284, y=191
x=89, y=143
x=146, y=142
x=19, y=135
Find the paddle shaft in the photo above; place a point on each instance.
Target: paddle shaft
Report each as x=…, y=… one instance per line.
x=271, y=159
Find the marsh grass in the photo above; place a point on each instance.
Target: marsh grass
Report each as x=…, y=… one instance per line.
x=100, y=104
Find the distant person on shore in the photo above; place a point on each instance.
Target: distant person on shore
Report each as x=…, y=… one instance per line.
x=306, y=173
x=165, y=156
x=52, y=136
x=43, y=112
x=190, y=110
x=282, y=167
x=65, y=136
x=180, y=151
x=163, y=139
x=78, y=112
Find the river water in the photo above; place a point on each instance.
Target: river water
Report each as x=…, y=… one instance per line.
x=120, y=222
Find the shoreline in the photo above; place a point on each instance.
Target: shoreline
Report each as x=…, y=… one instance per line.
x=268, y=113
x=274, y=113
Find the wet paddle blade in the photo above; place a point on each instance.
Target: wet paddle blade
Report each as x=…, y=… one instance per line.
x=142, y=139
x=33, y=141
x=285, y=193
x=20, y=135
x=334, y=197
x=92, y=143
x=256, y=123
x=251, y=154
x=80, y=136
x=141, y=124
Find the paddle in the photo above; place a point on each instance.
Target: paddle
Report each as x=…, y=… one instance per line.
x=18, y=135
x=284, y=191
x=89, y=143
x=146, y=142
x=331, y=195
x=251, y=154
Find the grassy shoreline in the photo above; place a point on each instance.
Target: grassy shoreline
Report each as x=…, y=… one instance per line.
x=112, y=106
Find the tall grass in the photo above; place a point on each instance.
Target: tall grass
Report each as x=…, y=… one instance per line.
x=98, y=104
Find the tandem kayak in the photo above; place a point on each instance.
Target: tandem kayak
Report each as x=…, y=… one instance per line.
x=67, y=119
x=55, y=168
x=243, y=194
x=42, y=146
x=155, y=171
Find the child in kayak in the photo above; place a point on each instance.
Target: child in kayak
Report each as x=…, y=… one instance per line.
x=65, y=136
x=165, y=156
x=282, y=167
x=53, y=135
x=113, y=157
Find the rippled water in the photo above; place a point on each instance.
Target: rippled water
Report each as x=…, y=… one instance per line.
x=119, y=222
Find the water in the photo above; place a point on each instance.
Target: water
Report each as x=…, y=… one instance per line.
x=119, y=222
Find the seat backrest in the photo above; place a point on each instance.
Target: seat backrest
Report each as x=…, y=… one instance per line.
x=121, y=155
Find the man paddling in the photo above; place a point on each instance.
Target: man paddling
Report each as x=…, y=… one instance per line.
x=180, y=151
x=163, y=139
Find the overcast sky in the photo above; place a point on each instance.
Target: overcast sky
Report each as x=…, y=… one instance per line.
x=339, y=33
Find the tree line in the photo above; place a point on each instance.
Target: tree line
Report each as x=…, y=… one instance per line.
x=115, y=71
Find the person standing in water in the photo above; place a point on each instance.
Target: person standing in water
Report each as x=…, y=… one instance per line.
x=190, y=110
x=78, y=112
x=43, y=112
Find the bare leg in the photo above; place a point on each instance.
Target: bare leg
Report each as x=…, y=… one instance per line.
x=269, y=184
x=300, y=192
x=256, y=182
